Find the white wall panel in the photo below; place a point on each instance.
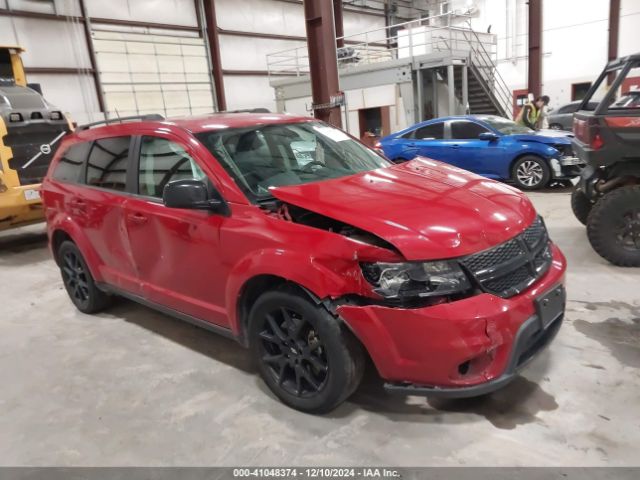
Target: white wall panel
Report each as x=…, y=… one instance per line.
x=47, y=43
x=60, y=7
x=244, y=53
x=174, y=12
x=249, y=92
x=264, y=16
x=74, y=94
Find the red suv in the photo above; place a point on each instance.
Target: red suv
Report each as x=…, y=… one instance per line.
x=309, y=248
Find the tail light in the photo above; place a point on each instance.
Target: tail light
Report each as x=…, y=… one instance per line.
x=596, y=140
x=378, y=146
x=588, y=131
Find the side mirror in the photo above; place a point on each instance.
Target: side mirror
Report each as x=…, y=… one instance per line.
x=488, y=136
x=194, y=195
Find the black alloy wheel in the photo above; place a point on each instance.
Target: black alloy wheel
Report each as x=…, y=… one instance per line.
x=305, y=355
x=74, y=276
x=77, y=279
x=294, y=353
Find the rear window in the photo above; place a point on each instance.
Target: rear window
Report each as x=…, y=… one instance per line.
x=69, y=167
x=107, y=164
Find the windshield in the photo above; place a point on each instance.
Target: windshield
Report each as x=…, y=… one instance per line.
x=630, y=100
x=264, y=156
x=505, y=126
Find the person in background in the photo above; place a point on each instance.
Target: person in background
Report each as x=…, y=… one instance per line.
x=543, y=117
x=530, y=112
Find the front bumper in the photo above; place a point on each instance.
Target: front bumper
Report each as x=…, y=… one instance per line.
x=464, y=348
x=566, y=168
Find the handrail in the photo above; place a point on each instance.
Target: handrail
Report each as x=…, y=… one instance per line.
x=499, y=85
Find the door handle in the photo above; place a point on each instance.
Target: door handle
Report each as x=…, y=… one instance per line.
x=455, y=145
x=78, y=205
x=137, y=218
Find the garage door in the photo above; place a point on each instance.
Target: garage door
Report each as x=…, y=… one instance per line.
x=153, y=73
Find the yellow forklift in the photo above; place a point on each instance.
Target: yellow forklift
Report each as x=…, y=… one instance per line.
x=30, y=131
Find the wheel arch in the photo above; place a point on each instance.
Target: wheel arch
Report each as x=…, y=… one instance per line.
x=268, y=270
x=68, y=231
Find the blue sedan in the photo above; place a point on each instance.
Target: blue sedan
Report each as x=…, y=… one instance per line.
x=490, y=146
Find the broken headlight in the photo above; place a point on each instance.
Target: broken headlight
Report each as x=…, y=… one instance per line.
x=416, y=279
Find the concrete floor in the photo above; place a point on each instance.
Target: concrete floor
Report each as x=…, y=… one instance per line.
x=134, y=387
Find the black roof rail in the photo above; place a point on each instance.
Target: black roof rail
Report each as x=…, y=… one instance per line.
x=248, y=110
x=142, y=118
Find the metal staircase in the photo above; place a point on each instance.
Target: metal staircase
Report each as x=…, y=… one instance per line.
x=404, y=53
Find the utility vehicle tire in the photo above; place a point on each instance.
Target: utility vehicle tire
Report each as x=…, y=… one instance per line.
x=307, y=359
x=613, y=226
x=531, y=173
x=78, y=282
x=581, y=205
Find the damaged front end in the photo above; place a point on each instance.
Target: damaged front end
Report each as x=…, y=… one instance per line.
x=452, y=327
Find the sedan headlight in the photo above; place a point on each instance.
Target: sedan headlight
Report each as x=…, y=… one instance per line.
x=416, y=279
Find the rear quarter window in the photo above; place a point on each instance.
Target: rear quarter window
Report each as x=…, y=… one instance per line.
x=69, y=167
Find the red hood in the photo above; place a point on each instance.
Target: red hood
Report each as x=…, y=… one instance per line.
x=426, y=209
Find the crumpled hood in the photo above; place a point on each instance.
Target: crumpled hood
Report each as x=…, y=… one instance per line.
x=549, y=137
x=426, y=209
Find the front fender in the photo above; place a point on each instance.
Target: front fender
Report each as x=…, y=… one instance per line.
x=325, y=278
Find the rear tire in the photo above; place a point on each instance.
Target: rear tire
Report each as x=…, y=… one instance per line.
x=78, y=282
x=531, y=173
x=555, y=126
x=400, y=160
x=613, y=226
x=581, y=205
x=306, y=358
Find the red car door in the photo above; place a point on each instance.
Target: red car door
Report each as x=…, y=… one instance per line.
x=98, y=210
x=176, y=251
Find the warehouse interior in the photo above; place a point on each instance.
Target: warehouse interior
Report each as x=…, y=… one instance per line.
x=384, y=88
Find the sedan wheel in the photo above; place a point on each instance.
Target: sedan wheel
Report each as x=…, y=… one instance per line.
x=531, y=173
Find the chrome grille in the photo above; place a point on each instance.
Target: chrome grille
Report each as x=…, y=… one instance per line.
x=511, y=267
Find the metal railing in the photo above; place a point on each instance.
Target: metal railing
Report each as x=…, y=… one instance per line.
x=407, y=40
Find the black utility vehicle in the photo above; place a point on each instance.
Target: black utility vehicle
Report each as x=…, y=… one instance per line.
x=607, y=139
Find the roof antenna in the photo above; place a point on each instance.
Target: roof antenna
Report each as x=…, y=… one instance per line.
x=118, y=115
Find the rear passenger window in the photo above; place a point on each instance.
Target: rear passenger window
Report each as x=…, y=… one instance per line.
x=70, y=165
x=107, y=165
x=162, y=161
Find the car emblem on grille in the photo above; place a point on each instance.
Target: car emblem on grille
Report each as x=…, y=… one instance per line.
x=45, y=149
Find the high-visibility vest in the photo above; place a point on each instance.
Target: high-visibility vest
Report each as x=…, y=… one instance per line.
x=532, y=117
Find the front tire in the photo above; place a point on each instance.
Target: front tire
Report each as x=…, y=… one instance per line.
x=78, y=282
x=531, y=173
x=307, y=359
x=581, y=205
x=613, y=226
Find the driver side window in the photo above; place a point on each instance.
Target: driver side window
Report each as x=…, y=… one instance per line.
x=463, y=130
x=162, y=161
x=434, y=131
